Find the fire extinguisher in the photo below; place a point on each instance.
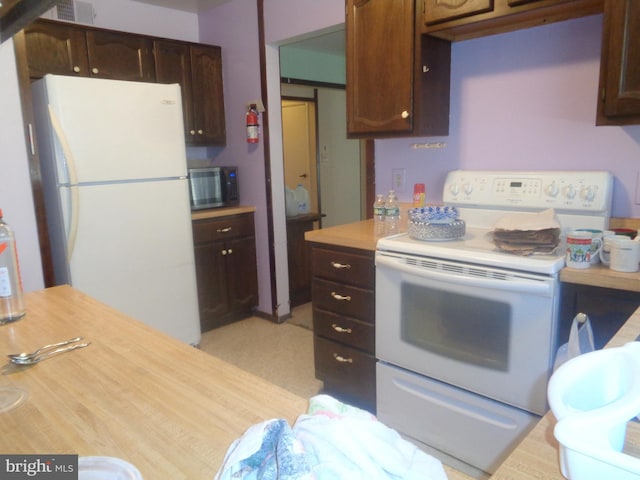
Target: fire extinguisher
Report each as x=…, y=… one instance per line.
x=252, y=124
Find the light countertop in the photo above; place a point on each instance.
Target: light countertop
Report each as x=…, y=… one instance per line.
x=134, y=393
x=221, y=212
x=354, y=235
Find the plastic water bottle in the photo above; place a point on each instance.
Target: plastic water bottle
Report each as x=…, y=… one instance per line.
x=11, y=305
x=379, y=215
x=392, y=214
x=302, y=197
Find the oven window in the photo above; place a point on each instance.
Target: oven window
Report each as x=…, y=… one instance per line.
x=466, y=328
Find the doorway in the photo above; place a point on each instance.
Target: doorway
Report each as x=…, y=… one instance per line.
x=300, y=147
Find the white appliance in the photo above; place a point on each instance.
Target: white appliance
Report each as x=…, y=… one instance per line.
x=114, y=175
x=468, y=333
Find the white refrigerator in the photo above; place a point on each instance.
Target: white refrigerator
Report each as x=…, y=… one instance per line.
x=114, y=169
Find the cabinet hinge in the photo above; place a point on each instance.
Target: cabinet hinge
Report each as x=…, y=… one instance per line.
x=603, y=94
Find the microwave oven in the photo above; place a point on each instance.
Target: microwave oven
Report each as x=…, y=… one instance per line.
x=213, y=187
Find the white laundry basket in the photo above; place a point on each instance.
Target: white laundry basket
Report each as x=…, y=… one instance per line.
x=594, y=396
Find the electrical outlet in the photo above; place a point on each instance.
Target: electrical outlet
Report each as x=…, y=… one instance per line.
x=399, y=179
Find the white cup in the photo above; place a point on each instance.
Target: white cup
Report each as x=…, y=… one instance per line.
x=605, y=253
x=624, y=255
x=579, y=248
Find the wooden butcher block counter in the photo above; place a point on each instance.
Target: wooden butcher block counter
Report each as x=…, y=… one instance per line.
x=134, y=393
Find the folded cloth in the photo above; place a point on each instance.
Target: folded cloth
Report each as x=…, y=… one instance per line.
x=345, y=442
x=333, y=441
x=266, y=451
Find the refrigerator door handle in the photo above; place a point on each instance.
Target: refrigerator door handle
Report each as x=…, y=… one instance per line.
x=72, y=233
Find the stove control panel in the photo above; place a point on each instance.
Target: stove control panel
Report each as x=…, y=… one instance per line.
x=589, y=191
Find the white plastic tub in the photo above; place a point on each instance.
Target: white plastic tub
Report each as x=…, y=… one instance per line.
x=593, y=397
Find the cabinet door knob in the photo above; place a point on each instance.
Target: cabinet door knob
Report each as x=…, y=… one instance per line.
x=224, y=230
x=341, y=298
x=340, y=265
x=404, y=114
x=230, y=251
x=340, y=329
x=192, y=132
x=76, y=69
x=200, y=132
x=95, y=71
x=224, y=252
x=342, y=359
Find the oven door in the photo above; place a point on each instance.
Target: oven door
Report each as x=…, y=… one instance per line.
x=485, y=330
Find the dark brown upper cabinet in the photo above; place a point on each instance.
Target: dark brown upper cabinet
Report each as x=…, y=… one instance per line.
x=397, y=80
x=464, y=19
x=619, y=99
x=66, y=49
x=198, y=70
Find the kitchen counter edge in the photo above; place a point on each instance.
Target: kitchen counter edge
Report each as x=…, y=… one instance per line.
x=354, y=235
x=220, y=212
x=360, y=235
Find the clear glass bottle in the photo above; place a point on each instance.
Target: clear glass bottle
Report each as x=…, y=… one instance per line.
x=11, y=304
x=392, y=214
x=379, y=215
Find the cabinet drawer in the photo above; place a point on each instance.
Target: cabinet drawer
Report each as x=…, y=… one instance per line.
x=346, y=372
x=343, y=266
x=348, y=331
x=343, y=299
x=212, y=230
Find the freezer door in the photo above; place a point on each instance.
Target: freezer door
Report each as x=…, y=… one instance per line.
x=133, y=250
x=111, y=130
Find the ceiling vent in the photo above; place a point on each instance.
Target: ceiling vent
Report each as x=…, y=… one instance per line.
x=72, y=11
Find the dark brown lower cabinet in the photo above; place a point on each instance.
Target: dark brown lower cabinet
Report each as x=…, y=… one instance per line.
x=608, y=309
x=343, y=297
x=299, y=257
x=225, y=257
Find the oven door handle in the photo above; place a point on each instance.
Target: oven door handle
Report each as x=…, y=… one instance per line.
x=522, y=285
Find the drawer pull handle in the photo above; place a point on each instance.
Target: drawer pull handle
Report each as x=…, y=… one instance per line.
x=340, y=329
x=341, y=297
x=340, y=265
x=224, y=230
x=342, y=359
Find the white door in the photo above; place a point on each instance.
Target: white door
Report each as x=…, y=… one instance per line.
x=299, y=144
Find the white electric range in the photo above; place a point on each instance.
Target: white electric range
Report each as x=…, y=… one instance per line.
x=466, y=334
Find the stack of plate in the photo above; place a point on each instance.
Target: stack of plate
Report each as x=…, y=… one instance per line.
x=435, y=223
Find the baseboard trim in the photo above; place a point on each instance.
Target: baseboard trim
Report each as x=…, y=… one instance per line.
x=272, y=318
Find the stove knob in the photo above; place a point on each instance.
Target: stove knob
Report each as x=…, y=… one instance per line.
x=569, y=191
x=588, y=193
x=467, y=188
x=552, y=189
x=454, y=188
